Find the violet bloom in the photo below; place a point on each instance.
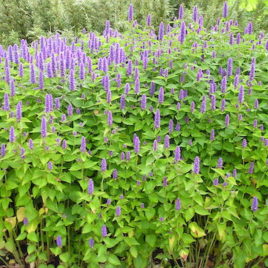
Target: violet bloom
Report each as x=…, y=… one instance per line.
x=192, y=106
x=220, y=163
x=252, y=69
x=19, y=111
x=127, y=156
x=223, y=84
x=178, y=204
x=165, y=183
x=83, y=147
x=195, y=14
x=3, y=150
x=177, y=154
x=181, y=12
x=136, y=144
x=90, y=187
x=213, y=102
x=212, y=135
x=166, y=141
x=234, y=173
x=225, y=10
x=182, y=32
x=104, y=230
x=216, y=182
x=109, y=118
x=91, y=242
x=196, y=168
x=256, y=104
x=203, y=105
x=170, y=126
x=251, y=168
x=118, y=211
x=130, y=12
x=254, y=205
x=122, y=102
x=227, y=120
x=143, y=102
x=12, y=137
x=161, y=95
x=72, y=80
x=49, y=165
x=6, y=106
x=43, y=127
x=157, y=119
x=59, y=241
x=115, y=174
x=155, y=145
x=244, y=143
x=122, y=156
x=103, y=164
x=161, y=31
x=230, y=67
x=25, y=221
x=137, y=86
x=108, y=96
x=241, y=94
x=223, y=103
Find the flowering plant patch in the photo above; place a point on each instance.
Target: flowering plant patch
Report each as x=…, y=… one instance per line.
x=123, y=149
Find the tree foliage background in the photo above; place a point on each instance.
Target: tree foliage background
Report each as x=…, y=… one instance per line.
x=29, y=19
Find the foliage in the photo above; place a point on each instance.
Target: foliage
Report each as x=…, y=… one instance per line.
x=90, y=175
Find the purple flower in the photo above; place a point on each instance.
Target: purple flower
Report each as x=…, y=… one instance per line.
x=83, y=147
x=108, y=96
x=115, y=174
x=225, y=10
x=103, y=164
x=161, y=31
x=6, y=102
x=178, y=204
x=118, y=211
x=181, y=12
x=155, y=145
x=256, y=104
x=165, y=183
x=220, y=163
x=19, y=111
x=230, y=67
x=109, y=118
x=25, y=221
x=241, y=94
x=104, y=230
x=143, y=102
x=254, y=205
x=43, y=127
x=137, y=85
x=203, y=105
x=252, y=69
x=130, y=12
x=90, y=188
x=177, y=154
x=223, y=103
x=136, y=144
x=213, y=102
x=166, y=141
x=192, y=106
x=195, y=14
x=223, y=84
x=91, y=242
x=182, y=32
x=72, y=80
x=12, y=88
x=216, y=182
x=244, y=143
x=170, y=126
x=12, y=137
x=149, y=20
x=227, y=120
x=161, y=95
x=255, y=123
x=49, y=165
x=32, y=74
x=59, y=241
x=251, y=168
x=122, y=156
x=196, y=168
x=109, y=201
x=234, y=173
x=212, y=135
x=122, y=102
x=157, y=119
x=3, y=150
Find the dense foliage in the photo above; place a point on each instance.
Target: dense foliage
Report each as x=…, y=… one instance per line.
x=128, y=149
x=30, y=19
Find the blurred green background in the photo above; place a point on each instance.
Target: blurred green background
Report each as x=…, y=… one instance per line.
x=29, y=19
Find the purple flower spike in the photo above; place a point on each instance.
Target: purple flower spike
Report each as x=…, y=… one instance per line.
x=118, y=211
x=165, y=183
x=230, y=67
x=161, y=95
x=19, y=111
x=143, y=102
x=220, y=163
x=157, y=119
x=109, y=118
x=6, y=106
x=216, y=182
x=155, y=145
x=59, y=241
x=244, y=143
x=12, y=137
x=43, y=127
x=251, y=168
x=181, y=12
x=166, y=142
x=178, y=204
x=170, y=126
x=91, y=242
x=161, y=31
x=241, y=94
x=182, y=32
x=196, y=168
x=254, y=205
x=227, y=120
x=49, y=165
x=103, y=164
x=130, y=12
x=177, y=154
x=212, y=135
x=83, y=147
x=104, y=230
x=90, y=188
x=115, y=174
x=3, y=150
x=203, y=105
x=136, y=144
x=225, y=10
